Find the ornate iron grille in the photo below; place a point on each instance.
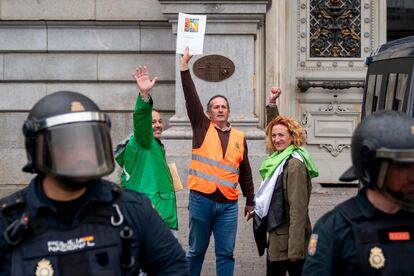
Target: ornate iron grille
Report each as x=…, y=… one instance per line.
x=335, y=28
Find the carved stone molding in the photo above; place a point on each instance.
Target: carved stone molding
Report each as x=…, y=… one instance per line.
x=330, y=127
x=335, y=150
x=334, y=108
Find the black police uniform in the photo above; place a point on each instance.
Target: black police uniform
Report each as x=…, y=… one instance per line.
x=36, y=239
x=357, y=239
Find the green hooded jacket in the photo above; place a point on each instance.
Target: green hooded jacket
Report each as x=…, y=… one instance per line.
x=144, y=167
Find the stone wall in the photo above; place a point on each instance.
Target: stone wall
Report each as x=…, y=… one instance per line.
x=93, y=46
x=87, y=46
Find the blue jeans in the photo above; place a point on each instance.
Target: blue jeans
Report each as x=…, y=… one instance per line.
x=207, y=216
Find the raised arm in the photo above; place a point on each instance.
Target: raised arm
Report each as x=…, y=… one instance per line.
x=143, y=107
x=271, y=107
x=193, y=104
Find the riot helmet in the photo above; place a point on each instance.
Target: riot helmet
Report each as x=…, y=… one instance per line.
x=67, y=135
x=382, y=139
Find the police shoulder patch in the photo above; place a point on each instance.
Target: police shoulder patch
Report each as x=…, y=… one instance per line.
x=313, y=243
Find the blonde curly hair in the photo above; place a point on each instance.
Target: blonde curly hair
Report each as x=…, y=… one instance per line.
x=294, y=128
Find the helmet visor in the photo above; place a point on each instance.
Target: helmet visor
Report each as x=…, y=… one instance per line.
x=398, y=184
x=397, y=155
x=80, y=151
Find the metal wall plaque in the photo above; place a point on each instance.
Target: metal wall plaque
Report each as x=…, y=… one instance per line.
x=213, y=68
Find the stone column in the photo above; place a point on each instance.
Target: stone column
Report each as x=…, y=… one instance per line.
x=234, y=30
x=231, y=31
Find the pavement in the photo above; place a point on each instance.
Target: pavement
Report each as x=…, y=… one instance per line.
x=248, y=262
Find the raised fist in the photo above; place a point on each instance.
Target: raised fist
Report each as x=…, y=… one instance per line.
x=274, y=94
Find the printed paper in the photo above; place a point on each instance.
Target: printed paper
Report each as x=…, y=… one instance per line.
x=190, y=32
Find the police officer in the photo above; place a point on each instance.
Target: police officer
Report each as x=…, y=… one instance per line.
x=69, y=221
x=373, y=232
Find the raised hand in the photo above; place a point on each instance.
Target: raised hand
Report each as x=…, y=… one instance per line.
x=144, y=82
x=274, y=94
x=184, y=59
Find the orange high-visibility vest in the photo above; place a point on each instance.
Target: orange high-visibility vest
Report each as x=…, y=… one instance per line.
x=209, y=170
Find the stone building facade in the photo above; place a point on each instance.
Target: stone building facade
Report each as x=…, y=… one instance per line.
x=314, y=50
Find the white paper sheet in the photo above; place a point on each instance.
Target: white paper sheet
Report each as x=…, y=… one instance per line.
x=190, y=32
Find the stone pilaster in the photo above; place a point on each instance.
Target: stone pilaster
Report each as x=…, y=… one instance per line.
x=232, y=27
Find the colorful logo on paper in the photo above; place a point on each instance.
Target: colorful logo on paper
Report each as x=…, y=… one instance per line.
x=191, y=25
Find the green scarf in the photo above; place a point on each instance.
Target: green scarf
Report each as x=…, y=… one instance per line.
x=271, y=162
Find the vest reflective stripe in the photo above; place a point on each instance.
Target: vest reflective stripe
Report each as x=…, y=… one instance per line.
x=215, y=163
x=211, y=169
x=212, y=178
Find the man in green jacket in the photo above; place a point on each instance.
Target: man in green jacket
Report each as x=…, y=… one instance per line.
x=144, y=167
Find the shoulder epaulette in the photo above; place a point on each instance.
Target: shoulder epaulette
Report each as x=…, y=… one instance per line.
x=113, y=186
x=350, y=209
x=12, y=202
